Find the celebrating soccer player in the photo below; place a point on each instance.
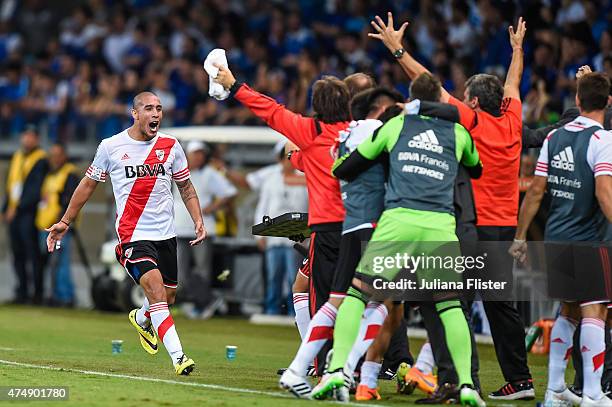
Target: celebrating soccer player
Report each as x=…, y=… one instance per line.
x=142, y=163
x=575, y=165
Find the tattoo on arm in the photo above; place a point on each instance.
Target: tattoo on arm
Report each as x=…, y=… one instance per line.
x=187, y=190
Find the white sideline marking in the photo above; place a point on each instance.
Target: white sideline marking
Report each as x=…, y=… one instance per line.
x=7, y=349
x=152, y=379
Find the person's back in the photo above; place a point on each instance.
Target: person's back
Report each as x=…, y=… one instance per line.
x=574, y=213
x=424, y=156
x=363, y=197
x=498, y=139
x=316, y=160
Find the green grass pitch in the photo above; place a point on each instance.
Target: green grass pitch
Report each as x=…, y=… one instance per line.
x=73, y=343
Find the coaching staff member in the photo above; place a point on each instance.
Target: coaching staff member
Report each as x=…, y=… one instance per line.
x=315, y=137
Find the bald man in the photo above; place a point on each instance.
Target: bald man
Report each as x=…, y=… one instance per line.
x=142, y=164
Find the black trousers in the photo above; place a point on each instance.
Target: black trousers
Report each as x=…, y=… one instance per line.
x=507, y=327
x=324, y=251
x=27, y=258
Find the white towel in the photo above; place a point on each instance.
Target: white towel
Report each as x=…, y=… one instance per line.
x=216, y=90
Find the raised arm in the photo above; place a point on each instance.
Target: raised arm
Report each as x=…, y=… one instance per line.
x=515, y=71
x=82, y=193
x=392, y=39
x=297, y=128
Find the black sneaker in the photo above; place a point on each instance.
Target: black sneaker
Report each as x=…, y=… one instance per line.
x=577, y=391
x=386, y=374
x=445, y=394
x=515, y=391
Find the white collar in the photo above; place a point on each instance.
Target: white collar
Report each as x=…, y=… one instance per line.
x=585, y=121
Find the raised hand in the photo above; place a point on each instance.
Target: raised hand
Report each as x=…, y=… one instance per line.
x=391, y=37
x=225, y=77
x=517, y=36
x=583, y=70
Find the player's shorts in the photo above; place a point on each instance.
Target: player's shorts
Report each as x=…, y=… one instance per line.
x=305, y=268
x=402, y=230
x=351, y=247
x=579, y=271
x=142, y=256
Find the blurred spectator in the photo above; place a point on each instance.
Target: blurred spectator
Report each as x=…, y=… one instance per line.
x=461, y=34
x=572, y=11
x=13, y=89
x=10, y=41
x=78, y=31
x=195, y=263
x=281, y=189
x=106, y=109
x=26, y=173
x=117, y=42
x=45, y=103
x=35, y=22
x=605, y=49
x=226, y=221
x=55, y=194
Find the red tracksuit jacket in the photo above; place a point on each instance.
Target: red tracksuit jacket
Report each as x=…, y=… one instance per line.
x=316, y=141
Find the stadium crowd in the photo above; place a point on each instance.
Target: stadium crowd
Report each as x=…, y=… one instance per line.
x=75, y=70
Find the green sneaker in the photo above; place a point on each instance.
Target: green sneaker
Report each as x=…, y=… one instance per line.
x=330, y=382
x=468, y=396
x=403, y=386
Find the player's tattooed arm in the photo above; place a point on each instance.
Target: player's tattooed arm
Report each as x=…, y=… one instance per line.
x=192, y=203
x=187, y=190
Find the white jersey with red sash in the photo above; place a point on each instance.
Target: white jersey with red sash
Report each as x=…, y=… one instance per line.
x=141, y=173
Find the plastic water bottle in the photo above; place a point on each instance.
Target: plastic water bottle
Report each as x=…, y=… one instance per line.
x=533, y=334
x=117, y=346
x=230, y=352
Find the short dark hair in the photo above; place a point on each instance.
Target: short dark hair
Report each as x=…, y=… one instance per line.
x=390, y=113
x=359, y=82
x=370, y=100
x=593, y=91
x=330, y=100
x=489, y=91
x=426, y=87
x=138, y=98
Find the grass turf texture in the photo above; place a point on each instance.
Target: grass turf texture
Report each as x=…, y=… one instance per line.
x=81, y=340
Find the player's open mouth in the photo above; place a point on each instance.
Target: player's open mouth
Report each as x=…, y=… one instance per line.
x=154, y=125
